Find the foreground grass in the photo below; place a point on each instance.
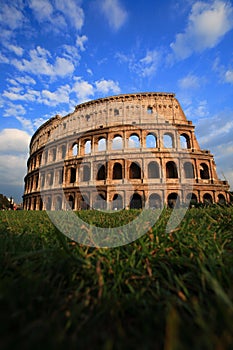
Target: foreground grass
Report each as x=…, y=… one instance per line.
x=169, y=291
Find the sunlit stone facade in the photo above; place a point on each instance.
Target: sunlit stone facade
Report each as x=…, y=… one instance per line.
x=127, y=151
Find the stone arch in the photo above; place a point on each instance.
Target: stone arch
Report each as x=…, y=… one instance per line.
x=168, y=140
x=134, y=141
x=207, y=199
x=117, y=171
x=204, y=171
x=151, y=141
x=188, y=170
x=171, y=170
x=185, y=141
x=117, y=142
x=101, y=172
x=135, y=201
x=153, y=170
x=173, y=200
x=134, y=171
x=75, y=149
x=63, y=151
x=84, y=203
x=102, y=144
x=117, y=202
x=48, y=203
x=155, y=201
x=72, y=175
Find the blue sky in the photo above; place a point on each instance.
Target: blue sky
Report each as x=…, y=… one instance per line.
x=55, y=54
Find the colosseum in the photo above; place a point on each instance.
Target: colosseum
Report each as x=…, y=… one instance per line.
x=126, y=151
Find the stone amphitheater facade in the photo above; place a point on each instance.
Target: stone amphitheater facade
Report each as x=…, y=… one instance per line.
x=126, y=151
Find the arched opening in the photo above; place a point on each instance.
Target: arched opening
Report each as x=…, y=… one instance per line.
x=171, y=170
x=48, y=203
x=134, y=141
x=116, y=112
x=75, y=150
x=136, y=201
x=151, y=141
x=168, y=140
x=188, y=170
x=41, y=204
x=117, y=171
x=86, y=173
x=100, y=202
x=173, y=200
x=72, y=175
x=117, y=202
x=153, y=170
x=102, y=145
x=58, y=203
x=71, y=201
x=87, y=147
x=84, y=203
x=154, y=201
x=207, y=199
x=117, y=143
x=54, y=154
x=134, y=171
x=191, y=198
x=101, y=173
x=221, y=199
x=185, y=141
x=63, y=151
x=204, y=171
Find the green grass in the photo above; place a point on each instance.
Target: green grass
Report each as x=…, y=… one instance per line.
x=168, y=291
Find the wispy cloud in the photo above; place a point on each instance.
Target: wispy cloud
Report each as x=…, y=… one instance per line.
x=106, y=86
x=114, y=12
x=207, y=24
x=190, y=81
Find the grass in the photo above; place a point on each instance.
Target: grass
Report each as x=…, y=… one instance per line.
x=170, y=291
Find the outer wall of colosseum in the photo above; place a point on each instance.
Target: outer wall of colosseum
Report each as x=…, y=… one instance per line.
x=125, y=151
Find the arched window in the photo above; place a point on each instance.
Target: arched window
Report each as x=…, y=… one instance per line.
x=168, y=141
x=154, y=201
x=221, y=199
x=204, y=171
x=72, y=175
x=101, y=173
x=75, y=150
x=149, y=110
x=87, y=147
x=188, y=170
x=86, y=173
x=134, y=171
x=173, y=200
x=151, y=141
x=207, y=198
x=136, y=201
x=48, y=204
x=63, y=151
x=102, y=144
x=191, y=198
x=54, y=154
x=71, y=202
x=116, y=112
x=50, y=178
x=185, y=141
x=58, y=203
x=134, y=141
x=117, y=203
x=153, y=170
x=117, y=171
x=100, y=202
x=117, y=143
x=84, y=203
x=171, y=170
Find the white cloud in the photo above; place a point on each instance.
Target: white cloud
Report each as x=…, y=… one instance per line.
x=114, y=12
x=80, y=42
x=61, y=95
x=195, y=110
x=190, y=82
x=39, y=64
x=105, y=86
x=13, y=141
x=229, y=76
x=43, y=10
x=73, y=13
x=16, y=49
x=14, y=95
x=83, y=90
x=207, y=24
x=3, y=59
x=12, y=109
x=11, y=16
